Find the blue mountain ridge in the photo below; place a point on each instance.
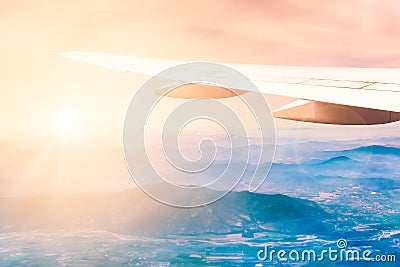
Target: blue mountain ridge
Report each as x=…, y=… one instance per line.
x=133, y=212
x=377, y=149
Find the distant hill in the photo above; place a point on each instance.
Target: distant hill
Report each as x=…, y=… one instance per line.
x=134, y=212
x=338, y=159
x=377, y=149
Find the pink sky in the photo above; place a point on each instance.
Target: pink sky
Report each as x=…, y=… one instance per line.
x=324, y=33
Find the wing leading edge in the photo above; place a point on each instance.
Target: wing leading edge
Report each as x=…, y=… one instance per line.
x=326, y=95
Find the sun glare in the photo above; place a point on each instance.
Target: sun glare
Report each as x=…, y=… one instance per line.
x=67, y=123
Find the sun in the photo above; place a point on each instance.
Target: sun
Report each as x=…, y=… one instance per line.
x=67, y=123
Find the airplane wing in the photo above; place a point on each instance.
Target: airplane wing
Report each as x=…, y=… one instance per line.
x=352, y=96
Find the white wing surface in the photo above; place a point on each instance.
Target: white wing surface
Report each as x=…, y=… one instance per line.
x=328, y=94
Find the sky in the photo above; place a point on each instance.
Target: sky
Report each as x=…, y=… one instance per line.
x=51, y=106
